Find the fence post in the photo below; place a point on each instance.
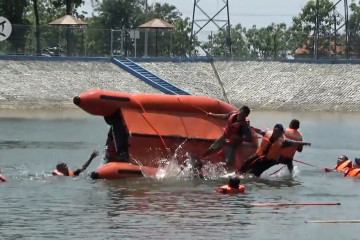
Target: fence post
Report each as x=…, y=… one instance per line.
x=122, y=42
x=146, y=42
x=111, y=43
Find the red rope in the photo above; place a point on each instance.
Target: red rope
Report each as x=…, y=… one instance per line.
x=162, y=140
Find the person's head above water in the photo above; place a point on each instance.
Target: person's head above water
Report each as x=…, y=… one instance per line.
x=294, y=124
x=234, y=182
x=62, y=167
x=342, y=159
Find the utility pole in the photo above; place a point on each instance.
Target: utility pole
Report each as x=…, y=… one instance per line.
x=344, y=21
x=200, y=24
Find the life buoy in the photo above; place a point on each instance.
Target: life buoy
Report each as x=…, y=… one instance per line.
x=352, y=172
x=226, y=189
x=55, y=172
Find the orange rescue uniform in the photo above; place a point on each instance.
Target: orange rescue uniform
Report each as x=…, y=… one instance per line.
x=344, y=166
x=291, y=134
x=352, y=172
x=55, y=172
x=226, y=189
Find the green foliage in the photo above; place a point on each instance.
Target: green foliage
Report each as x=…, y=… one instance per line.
x=181, y=43
x=129, y=14
x=263, y=43
x=120, y=14
x=14, y=11
x=354, y=29
x=218, y=44
x=305, y=23
x=165, y=11
x=70, y=5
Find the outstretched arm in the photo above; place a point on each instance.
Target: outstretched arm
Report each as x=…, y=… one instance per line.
x=220, y=115
x=258, y=131
x=92, y=156
x=288, y=143
x=2, y=178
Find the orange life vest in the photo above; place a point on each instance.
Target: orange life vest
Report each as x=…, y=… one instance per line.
x=274, y=150
x=55, y=172
x=226, y=189
x=291, y=134
x=232, y=129
x=343, y=166
x=352, y=172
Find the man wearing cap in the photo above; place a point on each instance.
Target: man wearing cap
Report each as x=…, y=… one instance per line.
x=268, y=154
x=343, y=164
x=236, y=133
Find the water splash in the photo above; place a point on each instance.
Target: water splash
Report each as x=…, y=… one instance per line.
x=285, y=173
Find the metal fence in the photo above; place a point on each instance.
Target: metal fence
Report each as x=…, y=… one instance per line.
x=84, y=42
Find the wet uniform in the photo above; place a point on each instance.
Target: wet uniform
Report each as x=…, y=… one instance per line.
x=234, y=130
x=288, y=153
x=267, y=155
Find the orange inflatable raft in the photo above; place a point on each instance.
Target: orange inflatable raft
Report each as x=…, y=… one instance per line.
x=117, y=170
x=161, y=124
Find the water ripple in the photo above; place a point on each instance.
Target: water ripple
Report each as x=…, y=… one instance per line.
x=41, y=145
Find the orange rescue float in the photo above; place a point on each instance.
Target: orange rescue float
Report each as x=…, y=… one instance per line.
x=158, y=123
x=118, y=170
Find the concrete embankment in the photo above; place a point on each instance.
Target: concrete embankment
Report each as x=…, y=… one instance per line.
x=261, y=85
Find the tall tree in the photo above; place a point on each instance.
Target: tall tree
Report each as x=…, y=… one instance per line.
x=123, y=15
x=303, y=28
x=217, y=43
x=354, y=30
x=14, y=11
x=174, y=42
x=70, y=5
x=272, y=41
x=181, y=35
x=164, y=11
x=37, y=26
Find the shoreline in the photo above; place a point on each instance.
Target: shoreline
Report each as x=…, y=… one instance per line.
x=40, y=85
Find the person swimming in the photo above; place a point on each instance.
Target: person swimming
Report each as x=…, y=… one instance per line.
x=63, y=170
